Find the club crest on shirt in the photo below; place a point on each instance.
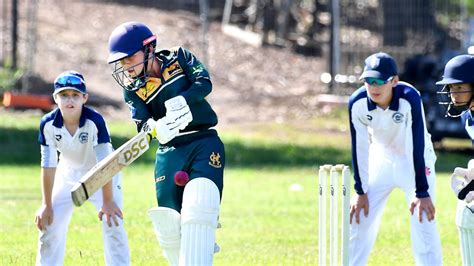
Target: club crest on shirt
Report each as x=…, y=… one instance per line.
x=397, y=117
x=172, y=70
x=83, y=137
x=215, y=160
x=369, y=117
x=58, y=137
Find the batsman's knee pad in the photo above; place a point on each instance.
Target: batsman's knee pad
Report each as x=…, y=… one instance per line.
x=199, y=215
x=166, y=223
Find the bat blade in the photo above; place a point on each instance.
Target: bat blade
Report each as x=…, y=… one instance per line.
x=103, y=171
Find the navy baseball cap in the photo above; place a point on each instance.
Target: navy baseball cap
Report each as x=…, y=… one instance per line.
x=70, y=80
x=380, y=65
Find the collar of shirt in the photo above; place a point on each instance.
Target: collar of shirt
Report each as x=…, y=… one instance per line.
x=394, y=104
x=59, y=122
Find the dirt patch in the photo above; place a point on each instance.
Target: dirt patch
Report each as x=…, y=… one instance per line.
x=250, y=84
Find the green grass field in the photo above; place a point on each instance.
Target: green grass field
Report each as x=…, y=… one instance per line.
x=263, y=222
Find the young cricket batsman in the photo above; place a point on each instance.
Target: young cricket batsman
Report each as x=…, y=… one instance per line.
x=458, y=86
x=166, y=91
x=391, y=148
x=80, y=136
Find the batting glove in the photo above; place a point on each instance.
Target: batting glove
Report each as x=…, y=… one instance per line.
x=164, y=130
x=177, y=110
x=149, y=127
x=462, y=183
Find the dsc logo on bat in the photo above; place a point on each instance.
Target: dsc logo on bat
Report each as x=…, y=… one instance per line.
x=134, y=150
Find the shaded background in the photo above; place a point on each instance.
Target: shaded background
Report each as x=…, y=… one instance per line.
x=270, y=60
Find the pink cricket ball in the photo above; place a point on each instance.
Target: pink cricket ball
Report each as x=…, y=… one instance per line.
x=181, y=178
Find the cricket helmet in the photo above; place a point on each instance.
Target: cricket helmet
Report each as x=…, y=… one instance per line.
x=124, y=41
x=458, y=70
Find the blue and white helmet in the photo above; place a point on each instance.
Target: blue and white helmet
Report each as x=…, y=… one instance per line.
x=458, y=70
x=124, y=41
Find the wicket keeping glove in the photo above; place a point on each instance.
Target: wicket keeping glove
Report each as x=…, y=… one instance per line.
x=177, y=111
x=164, y=130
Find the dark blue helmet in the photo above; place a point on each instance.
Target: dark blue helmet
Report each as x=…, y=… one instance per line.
x=458, y=70
x=127, y=39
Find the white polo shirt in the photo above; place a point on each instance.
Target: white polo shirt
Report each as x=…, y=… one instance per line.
x=399, y=130
x=76, y=151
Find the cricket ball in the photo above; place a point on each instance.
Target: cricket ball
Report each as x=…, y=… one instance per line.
x=181, y=178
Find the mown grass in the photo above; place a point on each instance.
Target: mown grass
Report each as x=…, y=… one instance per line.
x=263, y=222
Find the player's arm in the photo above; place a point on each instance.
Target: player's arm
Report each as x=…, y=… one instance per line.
x=163, y=127
x=44, y=215
x=359, y=145
x=137, y=108
x=109, y=207
x=418, y=129
x=360, y=148
x=422, y=199
x=197, y=74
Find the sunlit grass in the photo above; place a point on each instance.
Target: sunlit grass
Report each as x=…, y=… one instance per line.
x=263, y=222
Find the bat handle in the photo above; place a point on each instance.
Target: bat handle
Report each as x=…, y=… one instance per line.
x=468, y=188
x=151, y=135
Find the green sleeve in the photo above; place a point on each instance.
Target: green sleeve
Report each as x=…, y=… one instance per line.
x=197, y=74
x=138, y=109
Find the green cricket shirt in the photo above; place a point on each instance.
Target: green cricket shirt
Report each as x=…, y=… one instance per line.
x=182, y=74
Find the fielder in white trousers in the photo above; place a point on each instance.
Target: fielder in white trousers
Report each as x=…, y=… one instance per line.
x=52, y=241
x=391, y=148
x=387, y=173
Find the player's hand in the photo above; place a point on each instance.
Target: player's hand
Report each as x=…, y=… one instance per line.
x=466, y=173
x=177, y=111
x=111, y=212
x=423, y=204
x=164, y=130
x=358, y=203
x=44, y=216
x=462, y=182
x=469, y=197
x=150, y=127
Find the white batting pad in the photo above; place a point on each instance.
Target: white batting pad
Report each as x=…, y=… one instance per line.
x=166, y=222
x=466, y=237
x=199, y=222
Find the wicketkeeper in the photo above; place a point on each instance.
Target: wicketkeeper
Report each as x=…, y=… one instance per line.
x=166, y=91
x=458, y=86
x=81, y=137
x=391, y=148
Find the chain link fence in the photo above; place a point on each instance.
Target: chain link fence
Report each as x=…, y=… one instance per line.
x=403, y=28
x=410, y=30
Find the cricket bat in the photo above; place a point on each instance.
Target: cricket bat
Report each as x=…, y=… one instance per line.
x=103, y=171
